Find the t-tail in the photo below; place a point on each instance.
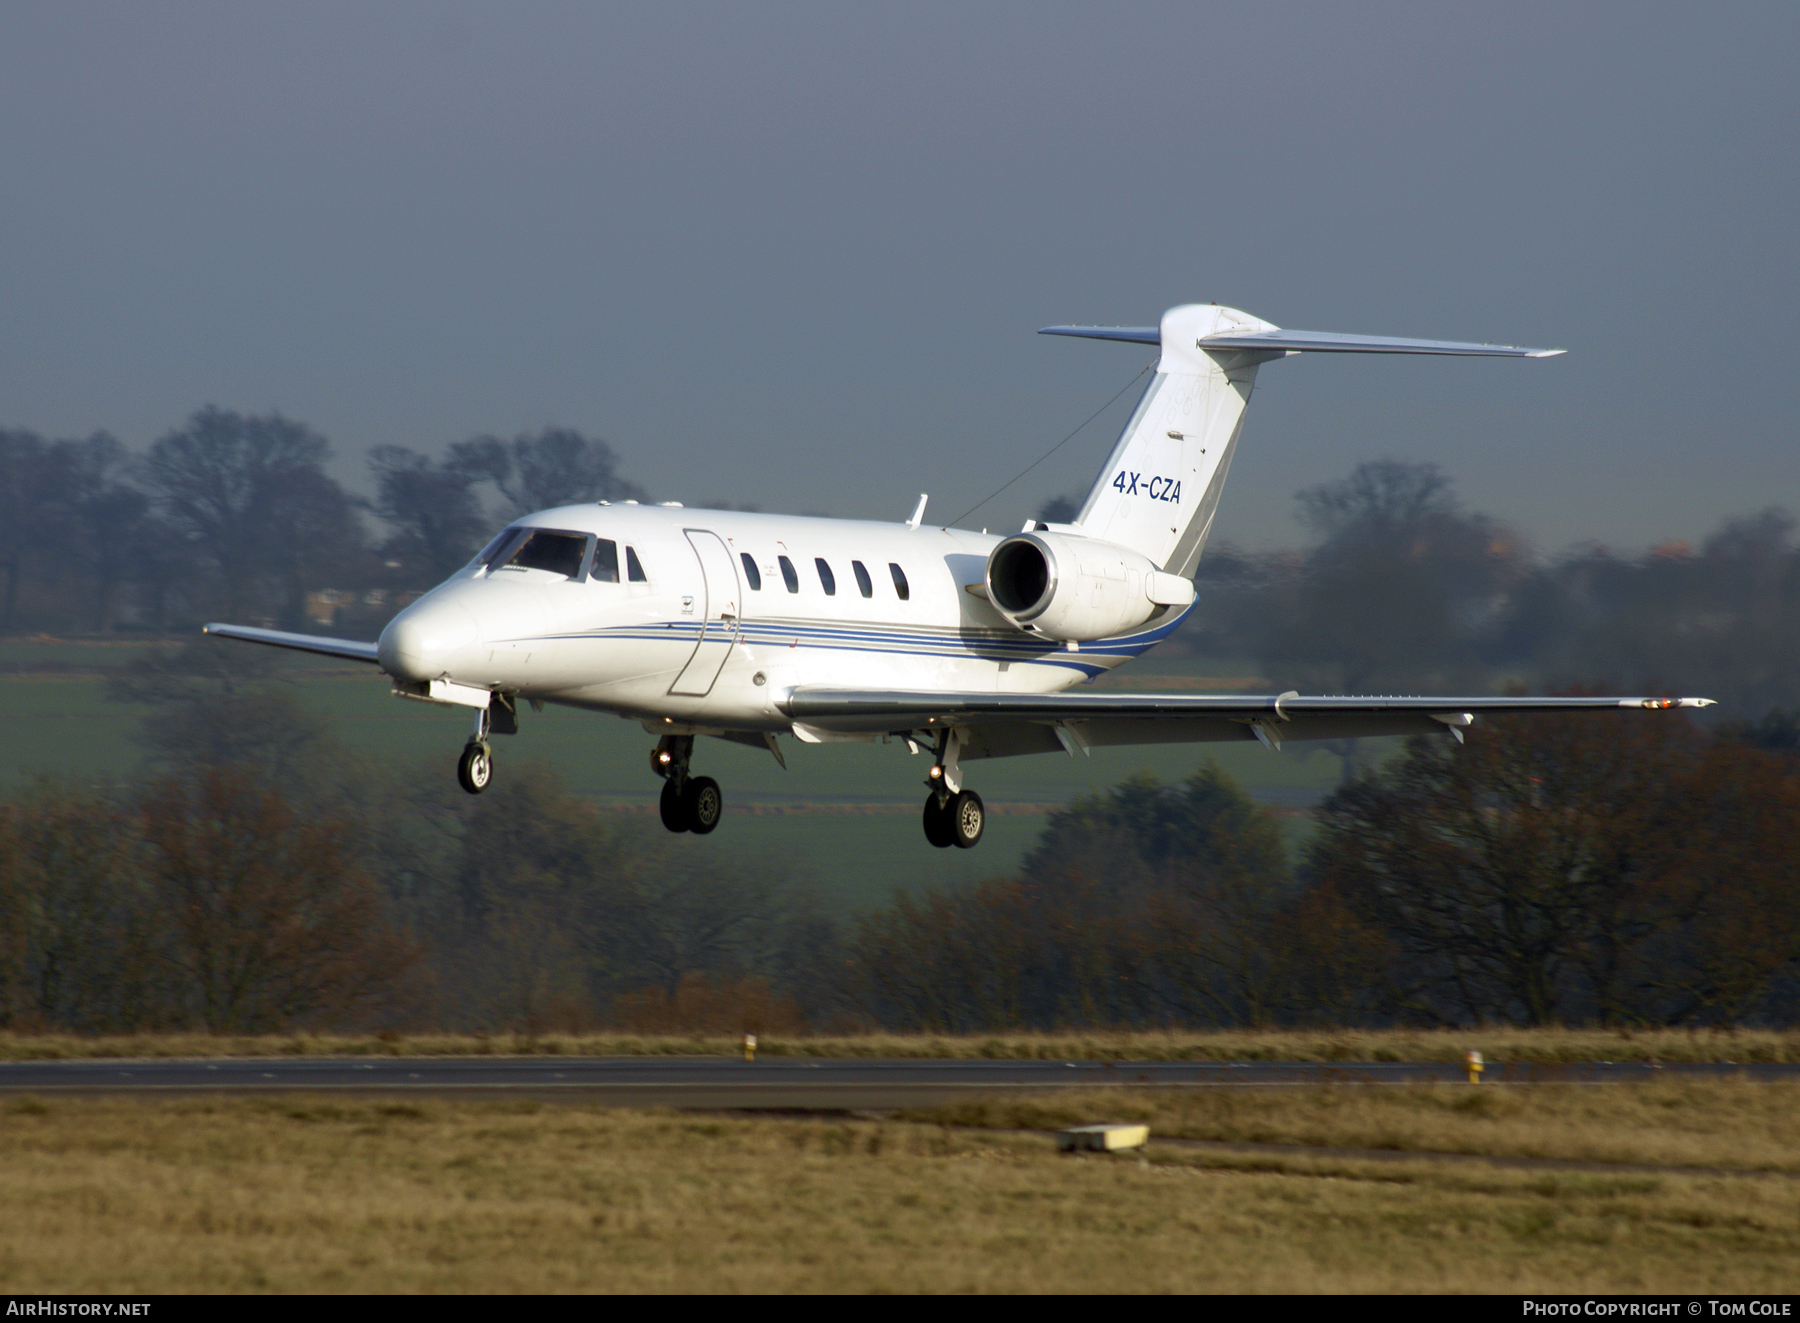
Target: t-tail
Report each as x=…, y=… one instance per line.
x=1160, y=488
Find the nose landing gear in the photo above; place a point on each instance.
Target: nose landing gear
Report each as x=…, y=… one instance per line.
x=475, y=768
x=689, y=803
x=953, y=816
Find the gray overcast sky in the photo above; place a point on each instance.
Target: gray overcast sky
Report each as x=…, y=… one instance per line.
x=795, y=254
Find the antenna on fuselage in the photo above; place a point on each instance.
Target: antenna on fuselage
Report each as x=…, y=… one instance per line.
x=919, y=513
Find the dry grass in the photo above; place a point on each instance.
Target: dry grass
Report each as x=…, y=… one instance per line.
x=1502, y=1046
x=1728, y=1123
x=306, y=1195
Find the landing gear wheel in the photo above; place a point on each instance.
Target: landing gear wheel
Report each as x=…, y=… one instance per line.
x=674, y=807
x=475, y=768
x=703, y=804
x=967, y=818
x=938, y=829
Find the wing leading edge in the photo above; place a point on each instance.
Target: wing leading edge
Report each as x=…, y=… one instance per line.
x=999, y=725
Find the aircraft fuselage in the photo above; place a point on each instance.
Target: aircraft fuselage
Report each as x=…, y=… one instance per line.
x=703, y=641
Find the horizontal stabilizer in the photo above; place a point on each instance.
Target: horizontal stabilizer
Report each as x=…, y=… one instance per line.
x=348, y=649
x=1330, y=342
x=1307, y=342
x=1143, y=335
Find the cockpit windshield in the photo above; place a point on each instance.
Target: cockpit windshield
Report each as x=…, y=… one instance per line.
x=543, y=549
x=488, y=554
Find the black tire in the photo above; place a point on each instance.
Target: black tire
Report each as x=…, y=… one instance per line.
x=704, y=804
x=968, y=817
x=475, y=768
x=674, y=808
x=937, y=823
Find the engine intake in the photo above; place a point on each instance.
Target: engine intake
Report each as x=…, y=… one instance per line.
x=1075, y=589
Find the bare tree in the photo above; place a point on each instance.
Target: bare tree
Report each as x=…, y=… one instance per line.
x=271, y=922
x=437, y=520
x=1559, y=869
x=557, y=466
x=251, y=496
x=77, y=945
x=25, y=493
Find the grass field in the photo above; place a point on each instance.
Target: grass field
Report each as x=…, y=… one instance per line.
x=850, y=820
x=304, y=1195
x=1503, y=1047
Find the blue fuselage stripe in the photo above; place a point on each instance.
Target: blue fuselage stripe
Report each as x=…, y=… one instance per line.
x=900, y=641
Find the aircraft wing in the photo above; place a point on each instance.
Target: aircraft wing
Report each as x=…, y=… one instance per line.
x=348, y=649
x=999, y=725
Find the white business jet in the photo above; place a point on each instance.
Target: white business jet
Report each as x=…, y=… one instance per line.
x=748, y=627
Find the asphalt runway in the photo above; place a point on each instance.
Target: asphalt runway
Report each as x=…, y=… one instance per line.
x=784, y=1083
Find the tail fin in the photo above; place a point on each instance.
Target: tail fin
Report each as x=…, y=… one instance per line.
x=1160, y=488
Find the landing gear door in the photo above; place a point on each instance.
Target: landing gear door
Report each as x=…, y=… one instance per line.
x=719, y=615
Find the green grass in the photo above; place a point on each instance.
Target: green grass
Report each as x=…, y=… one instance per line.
x=863, y=843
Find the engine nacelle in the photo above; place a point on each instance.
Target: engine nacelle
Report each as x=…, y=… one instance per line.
x=1074, y=589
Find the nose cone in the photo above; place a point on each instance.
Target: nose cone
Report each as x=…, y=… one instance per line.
x=424, y=641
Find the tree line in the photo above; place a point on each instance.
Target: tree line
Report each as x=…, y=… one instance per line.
x=1613, y=870
x=234, y=515
x=1623, y=870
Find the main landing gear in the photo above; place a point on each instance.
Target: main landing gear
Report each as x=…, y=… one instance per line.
x=953, y=816
x=689, y=803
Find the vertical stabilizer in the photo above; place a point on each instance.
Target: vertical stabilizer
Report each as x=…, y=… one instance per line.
x=1160, y=488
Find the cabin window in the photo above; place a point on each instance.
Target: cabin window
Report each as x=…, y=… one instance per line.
x=634, y=568
x=789, y=575
x=751, y=573
x=827, y=580
x=606, y=562
x=864, y=584
x=560, y=553
x=900, y=581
